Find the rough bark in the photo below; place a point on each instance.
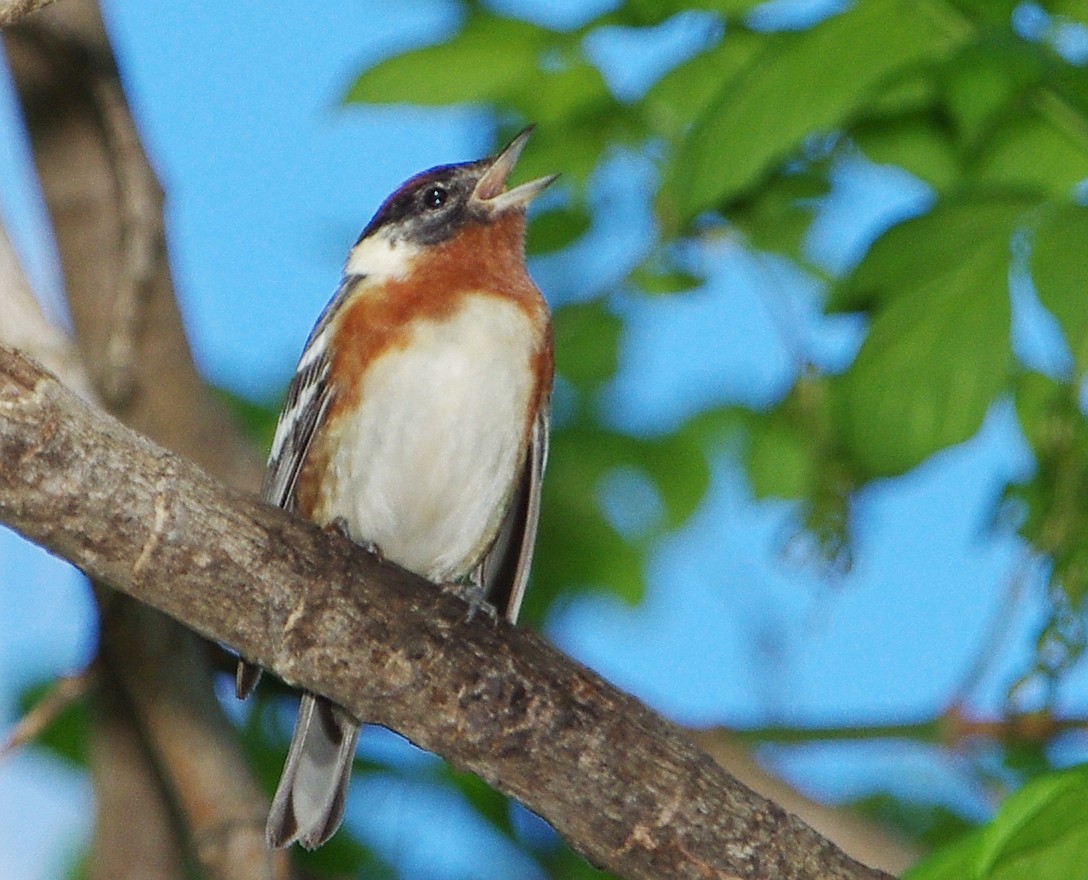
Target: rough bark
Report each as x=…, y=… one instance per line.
x=623, y=786
x=863, y=839
x=13, y=10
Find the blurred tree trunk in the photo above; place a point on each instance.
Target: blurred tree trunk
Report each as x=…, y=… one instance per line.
x=171, y=784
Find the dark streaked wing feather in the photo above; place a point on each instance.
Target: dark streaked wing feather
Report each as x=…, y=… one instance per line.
x=505, y=568
x=308, y=399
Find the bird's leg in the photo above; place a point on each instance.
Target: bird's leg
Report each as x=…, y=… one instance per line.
x=373, y=549
x=472, y=593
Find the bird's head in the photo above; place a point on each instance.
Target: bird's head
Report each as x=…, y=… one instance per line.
x=432, y=207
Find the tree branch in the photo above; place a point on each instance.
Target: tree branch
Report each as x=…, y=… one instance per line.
x=622, y=785
x=13, y=10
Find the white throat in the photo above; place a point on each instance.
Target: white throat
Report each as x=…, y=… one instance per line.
x=381, y=258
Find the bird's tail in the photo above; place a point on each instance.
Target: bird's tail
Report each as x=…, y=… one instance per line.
x=309, y=801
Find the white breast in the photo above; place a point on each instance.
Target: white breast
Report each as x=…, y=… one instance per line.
x=433, y=451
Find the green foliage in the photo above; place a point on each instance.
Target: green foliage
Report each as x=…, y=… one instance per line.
x=937, y=351
x=491, y=59
x=928, y=824
x=1041, y=833
x=788, y=93
x=556, y=229
x=1053, y=504
x=1059, y=266
x=594, y=552
x=587, y=340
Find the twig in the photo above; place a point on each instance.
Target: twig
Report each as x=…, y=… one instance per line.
x=59, y=697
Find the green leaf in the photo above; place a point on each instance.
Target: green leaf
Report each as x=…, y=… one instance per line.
x=342, y=856
x=790, y=91
x=578, y=548
x=777, y=216
x=1068, y=88
x=1029, y=150
x=587, y=338
x=1059, y=266
x=912, y=90
x=929, y=823
x=567, y=89
x=1041, y=408
x=523, y=70
x=992, y=11
x=556, y=229
x=573, y=148
x=489, y=59
x=1076, y=10
x=919, y=143
x=656, y=279
x=984, y=80
x=680, y=96
x=780, y=461
x=487, y=802
x=1052, y=505
x=257, y=419
x=937, y=351
x=678, y=466
x=565, y=864
x=725, y=7
x=957, y=861
x=1040, y=833
x=930, y=246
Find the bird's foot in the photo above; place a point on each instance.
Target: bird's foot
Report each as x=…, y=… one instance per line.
x=373, y=549
x=473, y=596
x=338, y=526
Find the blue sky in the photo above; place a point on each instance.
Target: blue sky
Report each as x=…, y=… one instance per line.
x=269, y=180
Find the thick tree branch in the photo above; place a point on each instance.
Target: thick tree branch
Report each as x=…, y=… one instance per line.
x=625, y=787
x=13, y=10
x=863, y=839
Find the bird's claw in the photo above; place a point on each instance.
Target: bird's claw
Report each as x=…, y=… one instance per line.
x=473, y=596
x=373, y=549
x=339, y=526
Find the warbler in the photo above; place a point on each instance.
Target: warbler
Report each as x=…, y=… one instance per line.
x=417, y=423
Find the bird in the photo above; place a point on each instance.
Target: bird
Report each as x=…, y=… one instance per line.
x=416, y=423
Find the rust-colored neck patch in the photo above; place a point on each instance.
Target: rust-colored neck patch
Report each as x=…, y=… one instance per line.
x=483, y=258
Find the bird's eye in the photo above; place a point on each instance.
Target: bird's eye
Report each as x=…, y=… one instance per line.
x=435, y=196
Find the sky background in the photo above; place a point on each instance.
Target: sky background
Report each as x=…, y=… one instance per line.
x=269, y=180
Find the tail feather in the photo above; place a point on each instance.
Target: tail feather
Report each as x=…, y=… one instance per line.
x=246, y=678
x=309, y=802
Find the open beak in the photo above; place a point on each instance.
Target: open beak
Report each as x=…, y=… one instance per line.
x=489, y=188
